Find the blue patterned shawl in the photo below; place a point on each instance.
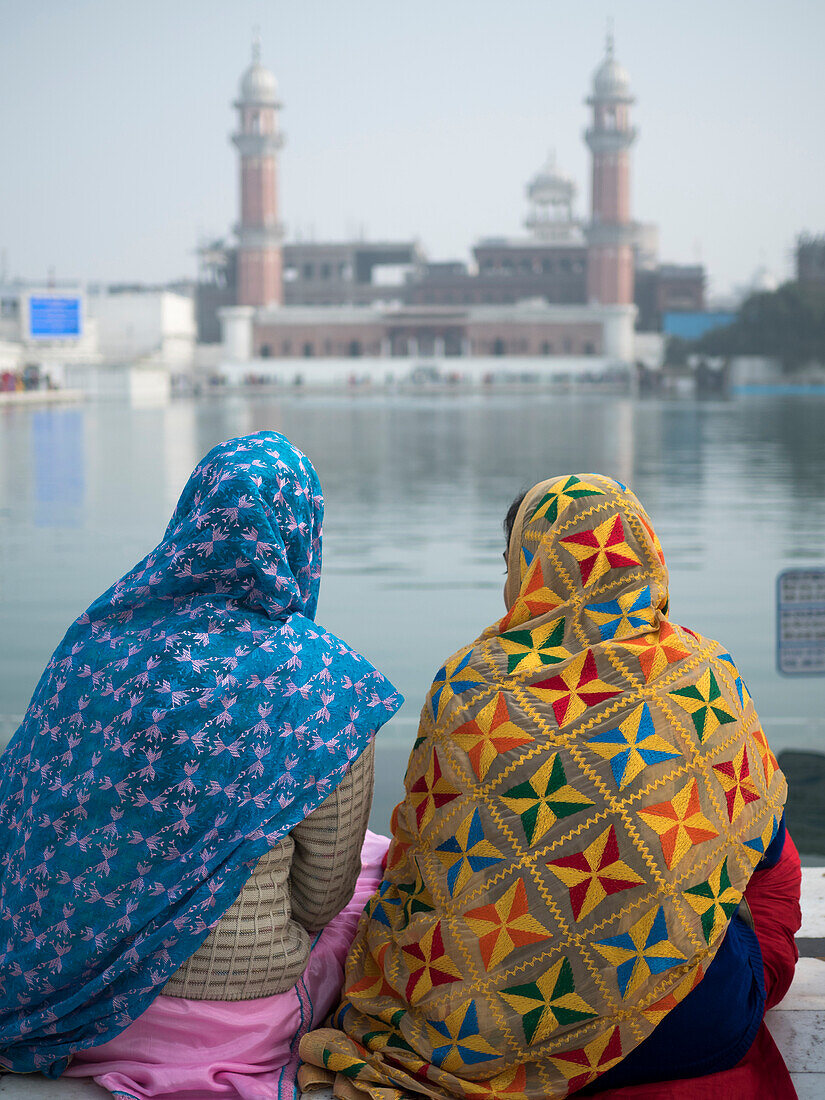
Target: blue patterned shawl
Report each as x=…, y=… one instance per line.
x=191, y=717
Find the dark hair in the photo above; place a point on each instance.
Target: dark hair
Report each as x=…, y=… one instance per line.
x=510, y=518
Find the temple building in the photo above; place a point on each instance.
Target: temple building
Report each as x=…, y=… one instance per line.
x=569, y=287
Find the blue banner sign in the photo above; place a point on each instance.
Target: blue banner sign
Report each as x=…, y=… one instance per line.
x=53, y=316
x=800, y=622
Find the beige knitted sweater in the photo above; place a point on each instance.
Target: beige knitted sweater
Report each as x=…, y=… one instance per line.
x=260, y=946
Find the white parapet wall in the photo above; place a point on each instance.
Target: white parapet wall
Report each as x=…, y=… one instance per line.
x=139, y=385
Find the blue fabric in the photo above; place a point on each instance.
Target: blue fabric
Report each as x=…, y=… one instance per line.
x=714, y=1026
x=192, y=716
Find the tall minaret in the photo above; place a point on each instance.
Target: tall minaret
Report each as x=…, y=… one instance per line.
x=260, y=281
x=610, y=236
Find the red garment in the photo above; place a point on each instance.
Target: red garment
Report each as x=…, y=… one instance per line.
x=773, y=897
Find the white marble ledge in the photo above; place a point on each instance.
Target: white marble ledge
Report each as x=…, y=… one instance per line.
x=807, y=992
x=813, y=903
x=809, y=1086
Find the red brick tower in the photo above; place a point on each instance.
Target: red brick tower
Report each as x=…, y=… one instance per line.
x=260, y=281
x=610, y=235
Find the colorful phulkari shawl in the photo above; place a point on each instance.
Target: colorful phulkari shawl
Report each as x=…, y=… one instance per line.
x=191, y=717
x=587, y=798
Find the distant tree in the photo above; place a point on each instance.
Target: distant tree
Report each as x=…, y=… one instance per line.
x=787, y=324
x=676, y=351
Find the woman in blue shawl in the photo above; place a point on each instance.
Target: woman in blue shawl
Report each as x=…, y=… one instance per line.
x=189, y=719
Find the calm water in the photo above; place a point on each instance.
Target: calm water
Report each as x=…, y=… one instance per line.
x=416, y=489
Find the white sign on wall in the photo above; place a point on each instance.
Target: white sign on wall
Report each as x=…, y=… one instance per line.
x=800, y=622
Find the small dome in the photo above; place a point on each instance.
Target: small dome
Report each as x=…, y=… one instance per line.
x=550, y=185
x=258, y=85
x=610, y=80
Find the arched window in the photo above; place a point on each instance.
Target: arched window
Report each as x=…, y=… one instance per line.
x=355, y=349
x=499, y=347
x=266, y=351
x=309, y=351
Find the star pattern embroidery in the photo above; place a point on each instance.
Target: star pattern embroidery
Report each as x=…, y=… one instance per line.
x=466, y=852
x=644, y=950
x=659, y=1009
x=429, y=964
x=544, y=798
x=452, y=679
x=600, y=549
x=704, y=703
x=548, y=1003
x=531, y=650
x=430, y=792
x=560, y=495
x=595, y=873
x=715, y=900
x=464, y=1045
x=679, y=822
x=633, y=746
x=380, y=908
x=574, y=690
x=372, y=982
x=507, y=1085
x=738, y=682
x=657, y=650
x=489, y=734
x=535, y=598
x=757, y=847
x=504, y=925
x=627, y=615
x=416, y=898
x=737, y=783
x=769, y=763
x=586, y=1063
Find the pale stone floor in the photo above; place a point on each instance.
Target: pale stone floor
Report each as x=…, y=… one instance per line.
x=797, y=1024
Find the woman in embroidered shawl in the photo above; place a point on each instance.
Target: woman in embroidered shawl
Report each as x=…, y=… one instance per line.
x=191, y=723
x=588, y=797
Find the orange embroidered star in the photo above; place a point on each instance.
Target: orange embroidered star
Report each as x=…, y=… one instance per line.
x=657, y=650
x=534, y=599
x=507, y=1085
x=504, y=925
x=372, y=983
x=489, y=734
x=769, y=763
x=737, y=783
x=600, y=549
x=680, y=823
x=595, y=873
x=657, y=1011
x=575, y=689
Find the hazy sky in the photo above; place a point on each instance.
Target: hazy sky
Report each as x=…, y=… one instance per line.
x=404, y=118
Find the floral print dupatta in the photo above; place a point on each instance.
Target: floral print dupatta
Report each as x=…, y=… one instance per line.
x=191, y=717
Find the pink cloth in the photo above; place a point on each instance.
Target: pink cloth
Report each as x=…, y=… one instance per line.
x=200, y=1050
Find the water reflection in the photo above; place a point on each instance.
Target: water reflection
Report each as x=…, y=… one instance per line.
x=416, y=490
x=59, y=467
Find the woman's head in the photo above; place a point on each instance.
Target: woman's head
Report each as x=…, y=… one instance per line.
x=510, y=519
x=587, y=538
x=251, y=516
